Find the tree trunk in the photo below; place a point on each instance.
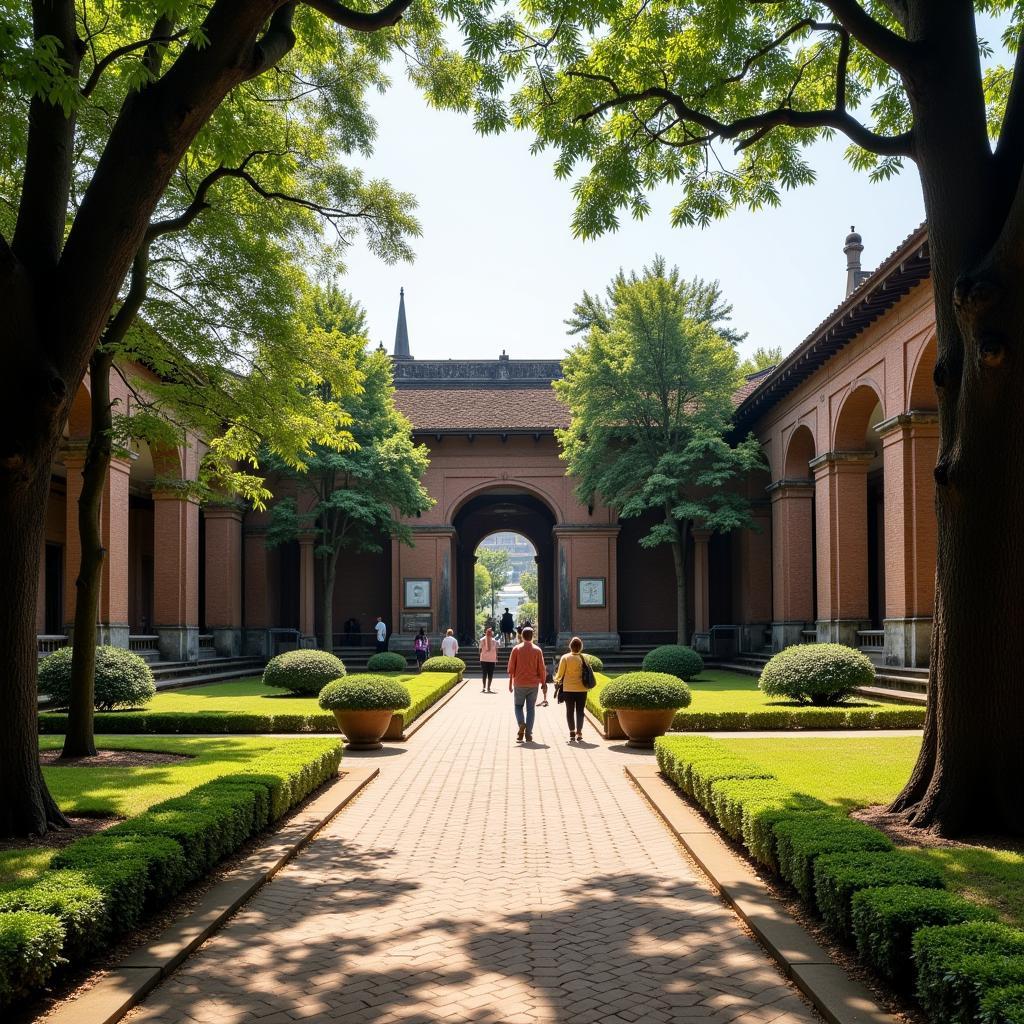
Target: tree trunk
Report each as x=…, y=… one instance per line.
x=79, y=740
x=967, y=779
x=330, y=575
x=679, y=561
x=26, y=807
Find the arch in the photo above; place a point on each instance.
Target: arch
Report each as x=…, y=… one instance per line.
x=855, y=416
x=168, y=462
x=510, y=488
x=79, y=424
x=921, y=395
x=799, y=452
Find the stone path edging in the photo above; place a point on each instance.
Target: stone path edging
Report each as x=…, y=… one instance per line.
x=140, y=971
x=418, y=723
x=837, y=997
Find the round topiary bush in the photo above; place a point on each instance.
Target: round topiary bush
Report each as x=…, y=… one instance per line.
x=439, y=663
x=387, y=661
x=123, y=679
x=675, y=660
x=365, y=692
x=594, y=662
x=820, y=674
x=305, y=672
x=646, y=691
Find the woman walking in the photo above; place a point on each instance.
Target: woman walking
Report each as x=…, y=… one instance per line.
x=571, y=674
x=421, y=647
x=488, y=658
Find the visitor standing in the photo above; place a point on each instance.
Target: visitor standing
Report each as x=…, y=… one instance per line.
x=381, y=630
x=508, y=625
x=449, y=645
x=421, y=647
x=574, y=675
x=526, y=671
x=488, y=658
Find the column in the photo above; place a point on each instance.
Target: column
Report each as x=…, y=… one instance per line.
x=792, y=505
x=701, y=593
x=260, y=584
x=752, y=578
x=224, y=578
x=112, y=612
x=841, y=509
x=431, y=558
x=307, y=591
x=910, y=446
x=176, y=575
x=586, y=582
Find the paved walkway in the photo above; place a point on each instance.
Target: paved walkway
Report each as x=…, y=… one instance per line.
x=479, y=880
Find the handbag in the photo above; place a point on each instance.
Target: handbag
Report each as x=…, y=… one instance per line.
x=589, y=681
x=559, y=693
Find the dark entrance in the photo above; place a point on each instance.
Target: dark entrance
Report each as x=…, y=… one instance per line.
x=495, y=512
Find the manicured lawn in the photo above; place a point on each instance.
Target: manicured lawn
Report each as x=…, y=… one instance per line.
x=730, y=701
x=244, y=706
x=853, y=772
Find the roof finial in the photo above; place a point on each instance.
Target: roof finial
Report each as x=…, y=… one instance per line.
x=853, y=248
x=402, y=330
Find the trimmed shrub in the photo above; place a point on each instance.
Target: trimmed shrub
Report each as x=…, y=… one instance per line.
x=365, y=692
x=594, y=662
x=822, y=674
x=674, y=660
x=838, y=876
x=739, y=804
x=885, y=920
x=646, y=691
x=123, y=679
x=432, y=696
x=387, y=661
x=1003, y=1006
x=957, y=966
x=29, y=952
x=801, y=838
x=442, y=663
x=305, y=672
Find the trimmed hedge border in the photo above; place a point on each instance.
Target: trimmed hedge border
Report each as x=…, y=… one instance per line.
x=967, y=968
x=429, y=699
x=100, y=886
x=172, y=722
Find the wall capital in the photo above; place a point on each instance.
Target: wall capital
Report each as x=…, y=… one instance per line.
x=785, y=488
x=701, y=536
x=174, y=494
x=851, y=459
x=913, y=418
x=584, y=530
x=224, y=510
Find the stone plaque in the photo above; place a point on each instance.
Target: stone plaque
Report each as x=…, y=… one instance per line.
x=413, y=622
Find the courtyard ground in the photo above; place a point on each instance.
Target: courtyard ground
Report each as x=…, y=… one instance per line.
x=480, y=880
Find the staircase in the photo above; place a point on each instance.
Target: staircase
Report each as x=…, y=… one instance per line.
x=171, y=674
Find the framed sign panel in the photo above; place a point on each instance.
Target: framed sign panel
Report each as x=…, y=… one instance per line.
x=416, y=593
x=590, y=592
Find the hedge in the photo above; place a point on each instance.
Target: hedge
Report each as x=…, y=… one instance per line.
x=675, y=660
x=838, y=876
x=365, y=692
x=387, y=661
x=647, y=691
x=431, y=697
x=958, y=965
x=884, y=922
x=442, y=663
x=304, y=672
x=821, y=674
x=795, y=718
x=122, y=679
x=969, y=970
x=171, y=722
x=100, y=886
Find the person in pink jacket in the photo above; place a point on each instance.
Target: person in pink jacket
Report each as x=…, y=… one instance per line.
x=488, y=658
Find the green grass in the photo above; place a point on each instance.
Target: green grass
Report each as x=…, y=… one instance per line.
x=854, y=772
x=24, y=865
x=730, y=701
x=243, y=706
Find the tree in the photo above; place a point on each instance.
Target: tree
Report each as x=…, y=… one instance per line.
x=351, y=499
x=722, y=99
x=482, y=588
x=649, y=390
x=496, y=562
x=762, y=359
x=62, y=264
x=527, y=612
x=528, y=581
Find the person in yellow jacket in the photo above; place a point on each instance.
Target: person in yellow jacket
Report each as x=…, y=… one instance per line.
x=574, y=693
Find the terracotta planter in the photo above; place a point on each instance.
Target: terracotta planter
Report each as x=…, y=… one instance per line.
x=643, y=726
x=364, y=729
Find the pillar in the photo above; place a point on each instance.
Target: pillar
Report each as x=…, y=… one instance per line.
x=792, y=506
x=307, y=590
x=176, y=575
x=260, y=582
x=701, y=593
x=841, y=510
x=910, y=445
x=112, y=613
x=587, y=553
x=431, y=557
x=752, y=578
x=224, y=578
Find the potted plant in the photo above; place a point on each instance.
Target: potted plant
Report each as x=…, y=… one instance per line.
x=363, y=704
x=645, y=704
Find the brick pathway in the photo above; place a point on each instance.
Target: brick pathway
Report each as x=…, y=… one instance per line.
x=477, y=880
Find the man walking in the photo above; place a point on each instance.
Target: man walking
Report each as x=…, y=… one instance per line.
x=382, y=635
x=526, y=671
x=449, y=645
x=508, y=625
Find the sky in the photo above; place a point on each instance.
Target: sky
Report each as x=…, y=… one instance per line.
x=497, y=268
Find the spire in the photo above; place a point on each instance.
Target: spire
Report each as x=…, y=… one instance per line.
x=402, y=330
x=853, y=248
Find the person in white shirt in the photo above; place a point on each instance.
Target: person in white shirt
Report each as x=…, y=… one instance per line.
x=449, y=645
x=382, y=635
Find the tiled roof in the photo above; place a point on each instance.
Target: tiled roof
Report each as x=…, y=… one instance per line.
x=482, y=410
x=750, y=385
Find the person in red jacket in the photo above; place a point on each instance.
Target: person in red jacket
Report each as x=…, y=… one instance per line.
x=526, y=672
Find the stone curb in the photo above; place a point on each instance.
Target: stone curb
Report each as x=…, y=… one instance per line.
x=433, y=710
x=128, y=983
x=837, y=997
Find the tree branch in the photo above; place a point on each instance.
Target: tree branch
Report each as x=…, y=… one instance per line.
x=122, y=51
x=275, y=42
x=1009, y=154
x=361, y=21
x=897, y=52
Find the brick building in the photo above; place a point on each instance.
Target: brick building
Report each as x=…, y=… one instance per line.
x=844, y=549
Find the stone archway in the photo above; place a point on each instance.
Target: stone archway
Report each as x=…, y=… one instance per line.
x=503, y=510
